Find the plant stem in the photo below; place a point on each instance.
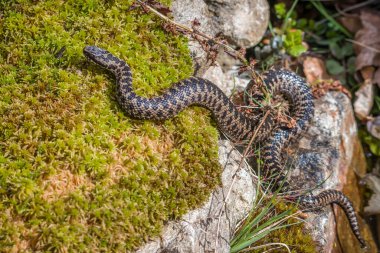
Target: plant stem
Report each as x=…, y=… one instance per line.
x=363, y=45
x=288, y=14
x=323, y=11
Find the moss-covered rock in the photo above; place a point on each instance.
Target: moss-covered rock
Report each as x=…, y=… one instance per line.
x=76, y=173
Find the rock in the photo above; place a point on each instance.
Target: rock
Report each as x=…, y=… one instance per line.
x=186, y=11
x=228, y=82
x=243, y=22
x=329, y=156
x=209, y=228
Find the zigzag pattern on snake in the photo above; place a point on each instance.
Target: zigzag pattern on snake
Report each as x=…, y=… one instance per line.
x=235, y=124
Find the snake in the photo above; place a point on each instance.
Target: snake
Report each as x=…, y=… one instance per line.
x=237, y=125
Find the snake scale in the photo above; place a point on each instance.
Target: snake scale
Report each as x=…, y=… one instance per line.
x=236, y=125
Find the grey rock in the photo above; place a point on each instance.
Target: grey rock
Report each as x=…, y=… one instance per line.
x=185, y=12
x=324, y=157
x=209, y=228
x=319, y=159
x=243, y=22
x=228, y=82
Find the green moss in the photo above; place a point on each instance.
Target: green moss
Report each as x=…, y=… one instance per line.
x=294, y=236
x=76, y=173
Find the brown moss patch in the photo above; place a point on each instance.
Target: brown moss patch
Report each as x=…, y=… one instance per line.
x=63, y=183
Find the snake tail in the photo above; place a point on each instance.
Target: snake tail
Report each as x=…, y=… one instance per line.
x=329, y=197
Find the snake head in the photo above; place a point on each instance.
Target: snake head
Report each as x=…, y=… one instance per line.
x=99, y=56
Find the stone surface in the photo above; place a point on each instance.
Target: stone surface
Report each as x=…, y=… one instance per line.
x=228, y=82
x=243, y=22
x=186, y=11
x=329, y=156
x=209, y=228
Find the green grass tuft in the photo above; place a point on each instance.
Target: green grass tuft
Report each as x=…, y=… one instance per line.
x=272, y=226
x=75, y=172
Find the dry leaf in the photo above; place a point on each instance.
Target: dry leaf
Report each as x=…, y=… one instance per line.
x=376, y=77
x=365, y=95
x=159, y=7
x=364, y=100
x=373, y=183
x=369, y=35
x=314, y=69
x=367, y=73
x=152, y=3
x=321, y=87
x=373, y=126
x=351, y=22
x=367, y=47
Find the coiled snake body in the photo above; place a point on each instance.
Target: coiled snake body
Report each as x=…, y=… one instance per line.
x=237, y=125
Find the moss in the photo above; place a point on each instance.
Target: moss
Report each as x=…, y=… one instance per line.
x=294, y=236
x=76, y=173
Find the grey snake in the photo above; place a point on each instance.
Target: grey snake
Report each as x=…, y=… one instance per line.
x=236, y=125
